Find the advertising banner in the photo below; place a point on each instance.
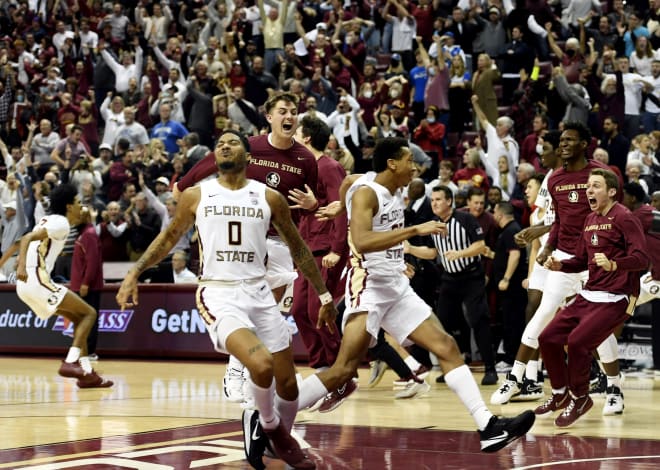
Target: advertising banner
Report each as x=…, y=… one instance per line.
x=166, y=323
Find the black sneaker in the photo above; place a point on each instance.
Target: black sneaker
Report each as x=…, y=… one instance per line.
x=530, y=391
x=489, y=378
x=502, y=431
x=598, y=384
x=254, y=439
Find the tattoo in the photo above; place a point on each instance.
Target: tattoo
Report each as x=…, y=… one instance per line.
x=256, y=348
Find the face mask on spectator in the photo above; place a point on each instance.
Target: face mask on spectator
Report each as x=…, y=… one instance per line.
x=394, y=94
x=539, y=149
x=368, y=94
x=430, y=119
x=431, y=71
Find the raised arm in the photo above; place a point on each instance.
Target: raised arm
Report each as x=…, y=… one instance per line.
x=483, y=120
x=552, y=43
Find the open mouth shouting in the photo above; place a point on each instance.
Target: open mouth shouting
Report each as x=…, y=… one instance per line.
x=288, y=127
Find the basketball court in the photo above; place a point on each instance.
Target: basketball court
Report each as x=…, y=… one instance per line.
x=173, y=415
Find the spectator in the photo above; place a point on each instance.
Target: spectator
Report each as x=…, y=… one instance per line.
x=499, y=138
x=143, y=225
x=168, y=131
x=87, y=270
x=127, y=69
x=82, y=172
x=112, y=111
x=69, y=149
x=430, y=134
x=614, y=143
x=482, y=86
x=112, y=233
x=122, y=173
x=459, y=91
x=343, y=121
x=14, y=225
x=529, y=149
x=651, y=99
x=574, y=95
x=471, y=175
x=131, y=130
x=180, y=271
x=43, y=144
x=244, y=113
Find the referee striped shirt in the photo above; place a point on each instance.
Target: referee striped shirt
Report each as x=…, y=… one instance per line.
x=463, y=230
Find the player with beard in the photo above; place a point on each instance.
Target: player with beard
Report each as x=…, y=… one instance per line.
x=232, y=215
x=285, y=166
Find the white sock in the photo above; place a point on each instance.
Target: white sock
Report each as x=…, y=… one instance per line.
x=532, y=370
x=234, y=364
x=287, y=411
x=412, y=363
x=461, y=381
x=559, y=391
x=73, y=355
x=518, y=370
x=85, y=364
x=264, y=399
x=614, y=381
x=311, y=391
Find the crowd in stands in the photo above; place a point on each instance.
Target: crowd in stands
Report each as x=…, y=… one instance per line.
x=121, y=99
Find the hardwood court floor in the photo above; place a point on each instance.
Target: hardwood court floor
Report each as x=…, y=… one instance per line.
x=162, y=415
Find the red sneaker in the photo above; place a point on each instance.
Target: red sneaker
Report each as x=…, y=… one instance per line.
x=552, y=404
x=288, y=449
x=575, y=409
x=337, y=397
x=71, y=369
x=93, y=380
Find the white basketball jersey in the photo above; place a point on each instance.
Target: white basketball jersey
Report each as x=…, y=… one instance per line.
x=544, y=201
x=389, y=217
x=43, y=253
x=232, y=227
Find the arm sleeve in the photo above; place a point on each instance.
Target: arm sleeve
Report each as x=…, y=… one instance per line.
x=636, y=258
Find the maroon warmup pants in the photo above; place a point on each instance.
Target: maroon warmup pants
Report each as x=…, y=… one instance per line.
x=321, y=344
x=583, y=326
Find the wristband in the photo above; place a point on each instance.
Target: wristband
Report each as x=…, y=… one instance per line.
x=326, y=298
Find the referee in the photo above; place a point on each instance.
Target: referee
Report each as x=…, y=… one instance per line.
x=463, y=280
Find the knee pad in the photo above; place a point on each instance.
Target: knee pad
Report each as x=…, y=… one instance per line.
x=609, y=350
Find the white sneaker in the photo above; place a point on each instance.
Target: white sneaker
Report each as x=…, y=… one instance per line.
x=613, y=402
x=376, y=372
x=398, y=384
x=233, y=385
x=317, y=405
x=509, y=389
x=413, y=389
x=93, y=357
